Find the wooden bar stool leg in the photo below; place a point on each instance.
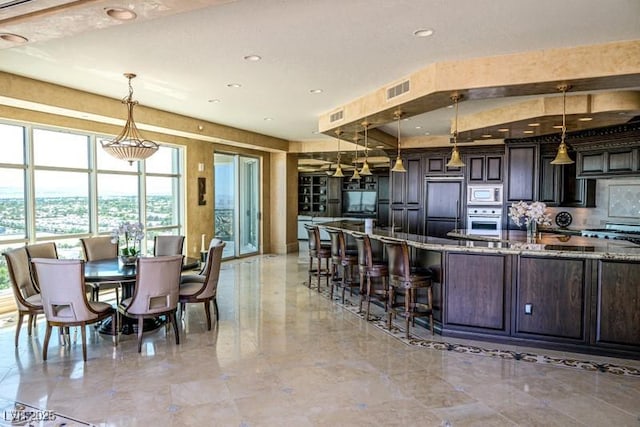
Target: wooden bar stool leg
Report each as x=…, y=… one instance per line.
x=408, y=297
x=369, y=297
x=390, y=313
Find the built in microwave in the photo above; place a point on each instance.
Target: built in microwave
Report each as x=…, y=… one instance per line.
x=484, y=195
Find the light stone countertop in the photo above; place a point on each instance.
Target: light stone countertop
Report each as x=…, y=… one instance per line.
x=512, y=242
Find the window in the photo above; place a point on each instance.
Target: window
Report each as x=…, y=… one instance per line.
x=57, y=185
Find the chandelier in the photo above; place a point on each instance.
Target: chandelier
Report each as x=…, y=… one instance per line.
x=562, y=158
x=129, y=144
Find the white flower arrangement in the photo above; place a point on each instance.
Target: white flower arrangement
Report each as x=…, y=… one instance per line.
x=523, y=213
x=132, y=233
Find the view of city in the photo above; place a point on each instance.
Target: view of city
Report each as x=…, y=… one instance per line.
x=59, y=216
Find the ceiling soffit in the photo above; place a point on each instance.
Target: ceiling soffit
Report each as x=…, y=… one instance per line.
x=585, y=68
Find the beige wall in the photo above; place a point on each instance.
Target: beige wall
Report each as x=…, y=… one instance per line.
x=47, y=105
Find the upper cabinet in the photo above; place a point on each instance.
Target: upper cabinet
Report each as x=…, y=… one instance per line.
x=484, y=168
x=522, y=171
x=318, y=195
x=558, y=184
x=436, y=164
x=607, y=163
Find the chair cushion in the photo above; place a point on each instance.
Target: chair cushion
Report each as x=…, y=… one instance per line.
x=99, y=306
x=188, y=289
x=35, y=300
x=192, y=278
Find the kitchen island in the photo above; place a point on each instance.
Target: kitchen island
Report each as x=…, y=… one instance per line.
x=578, y=294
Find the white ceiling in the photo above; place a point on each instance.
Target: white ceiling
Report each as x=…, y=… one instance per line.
x=347, y=48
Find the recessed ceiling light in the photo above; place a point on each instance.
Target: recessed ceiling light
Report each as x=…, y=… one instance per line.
x=379, y=146
x=253, y=58
x=527, y=131
x=268, y=119
x=427, y=133
x=13, y=38
x=585, y=119
x=486, y=135
x=557, y=127
x=315, y=91
x=418, y=127
x=214, y=101
x=423, y=32
x=236, y=85
x=406, y=119
x=315, y=132
x=533, y=124
x=120, y=13
x=503, y=130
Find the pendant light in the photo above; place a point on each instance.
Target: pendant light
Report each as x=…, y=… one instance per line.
x=356, y=174
x=338, y=173
x=365, y=166
x=456, y=161
x=562, y=158
x=129, y=145
x=398, y=167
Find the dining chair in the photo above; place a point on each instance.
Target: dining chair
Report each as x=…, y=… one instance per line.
x=40, y=250
x=65, y=302
x=28, y=299
x=156, y=292
x=97, y=248
x=202, y=288
x=167, y=245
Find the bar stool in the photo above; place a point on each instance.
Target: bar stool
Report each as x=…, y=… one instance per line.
x=371, y=269
x=320, y=252
x=406, y=282
x=343, y=261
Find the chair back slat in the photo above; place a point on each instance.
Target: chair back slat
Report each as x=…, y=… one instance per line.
x=168, y=245
x=62, y=289
x=157, y=285
x=97, y=248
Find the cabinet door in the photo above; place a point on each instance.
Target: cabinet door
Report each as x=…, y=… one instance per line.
x=618, y=304
x=521, y=173
x=435, y=165
x=551, y=298
x=620, y=161
x=439, y=227
x=591, y=163
x=476, y=295
x=397, y=188
x=414, y=220
x=476, y=169
x=443, y=199
x=413, y=181
x=549, y=180
x=494, y=168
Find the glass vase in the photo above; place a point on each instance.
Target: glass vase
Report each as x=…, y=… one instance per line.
x=532, y=230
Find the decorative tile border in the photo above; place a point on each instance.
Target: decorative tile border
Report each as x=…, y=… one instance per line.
x=14, y=413
x=399, y=334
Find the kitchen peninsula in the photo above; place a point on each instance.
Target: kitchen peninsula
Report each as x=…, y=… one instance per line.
x=564, y=292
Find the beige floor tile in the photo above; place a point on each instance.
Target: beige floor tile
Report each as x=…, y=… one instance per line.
x=285, y=355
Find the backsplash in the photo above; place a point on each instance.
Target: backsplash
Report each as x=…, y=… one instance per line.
x=617, y=200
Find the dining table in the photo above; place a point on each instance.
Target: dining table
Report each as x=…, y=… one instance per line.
x=113, y=270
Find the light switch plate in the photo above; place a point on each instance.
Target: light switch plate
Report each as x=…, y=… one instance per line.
x=528, y=308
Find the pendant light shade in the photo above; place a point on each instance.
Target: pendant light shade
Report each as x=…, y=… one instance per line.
x=398, y=167
x=338, y=173
x=129, y=145
x=365, y=166
x=562, y=158
x=456, y=161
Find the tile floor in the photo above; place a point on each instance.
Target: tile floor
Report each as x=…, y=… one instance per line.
x=283, y=355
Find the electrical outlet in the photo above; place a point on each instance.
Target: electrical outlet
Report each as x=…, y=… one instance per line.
x=528, y=308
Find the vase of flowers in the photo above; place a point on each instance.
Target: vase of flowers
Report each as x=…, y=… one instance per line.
x=128, y=235
x=531, y=215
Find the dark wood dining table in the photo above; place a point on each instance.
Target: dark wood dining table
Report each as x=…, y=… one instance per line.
x=112, y=270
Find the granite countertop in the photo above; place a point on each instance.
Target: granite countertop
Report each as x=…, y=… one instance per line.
x=508, y=242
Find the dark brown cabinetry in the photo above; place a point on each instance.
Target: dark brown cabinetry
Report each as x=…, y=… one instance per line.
x=558, y=185
x=436, y=164
x=318, y=195
x=443, y=204
x=522, y=170
x=551, y=299
x=406, y=196
x=606, y=163
x=383, y=200
x=484, y=169
x=618, y=308
x=477, y=295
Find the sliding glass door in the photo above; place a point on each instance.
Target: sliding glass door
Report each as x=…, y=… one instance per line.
x=237, y=203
